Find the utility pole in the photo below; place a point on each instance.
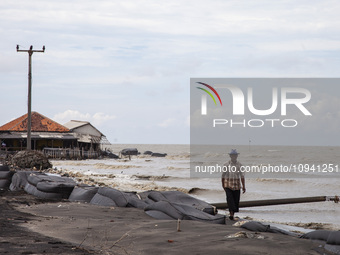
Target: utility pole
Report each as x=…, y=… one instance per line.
x=29, y=111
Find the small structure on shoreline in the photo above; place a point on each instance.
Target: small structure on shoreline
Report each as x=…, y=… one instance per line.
x=75, y=139
x=86, y=134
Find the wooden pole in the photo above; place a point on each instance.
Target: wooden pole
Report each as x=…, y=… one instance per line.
x=281, y=201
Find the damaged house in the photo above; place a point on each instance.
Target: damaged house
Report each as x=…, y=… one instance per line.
x=48, y=135
x=87, y=135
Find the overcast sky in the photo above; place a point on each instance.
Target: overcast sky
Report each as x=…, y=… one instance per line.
x=125, y=66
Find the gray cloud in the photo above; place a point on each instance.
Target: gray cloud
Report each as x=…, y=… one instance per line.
x=134, y=59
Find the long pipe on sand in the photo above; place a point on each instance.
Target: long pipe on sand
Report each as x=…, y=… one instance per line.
x=281, y=201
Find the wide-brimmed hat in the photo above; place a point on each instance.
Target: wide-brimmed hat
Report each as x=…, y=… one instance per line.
x=233, y=152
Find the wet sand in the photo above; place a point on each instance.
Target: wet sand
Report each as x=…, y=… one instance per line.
x=34, y=226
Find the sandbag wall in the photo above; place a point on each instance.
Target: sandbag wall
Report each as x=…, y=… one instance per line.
x=160, y=205
x=38, y=184
x=167, y=205
x=51, y=186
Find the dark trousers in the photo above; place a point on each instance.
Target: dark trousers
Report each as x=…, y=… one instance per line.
x=233, y=199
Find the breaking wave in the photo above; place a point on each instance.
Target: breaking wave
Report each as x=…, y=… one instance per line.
x=179, y=156
x=275, y=180
x=176, y=168
x=197, y=191
x=105, y=166
x=150, y=177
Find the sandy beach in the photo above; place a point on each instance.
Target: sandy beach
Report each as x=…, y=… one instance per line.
x=35, y=226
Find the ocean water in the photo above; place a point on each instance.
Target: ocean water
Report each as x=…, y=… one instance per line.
x=172, y=172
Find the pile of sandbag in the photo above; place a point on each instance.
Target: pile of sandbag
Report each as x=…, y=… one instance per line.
x=178, y=205
x=157, y=204
x=49, y=186
x=42, y=185
x=160, y=205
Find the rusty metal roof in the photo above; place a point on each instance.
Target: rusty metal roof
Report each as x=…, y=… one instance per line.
x=39, y=123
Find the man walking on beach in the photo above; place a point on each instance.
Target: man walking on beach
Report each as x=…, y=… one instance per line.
x=232, y=178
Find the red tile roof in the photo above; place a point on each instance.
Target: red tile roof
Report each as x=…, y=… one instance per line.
x=40, y=123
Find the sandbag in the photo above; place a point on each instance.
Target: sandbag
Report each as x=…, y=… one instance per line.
x=6, y=174
x=155, y=154
x=184, y=212
x=136, y=203
x=56, y=187
x=182, y=198
x=31, y=189
x=4, y=168
x=317, y=235
x=109, y=154
x=83, y=194
x=112, y=197
x=256, y=226
x=334, y=238
x=115, y=195
x=19, y=180
x=261, y=227
x=148, y=201
x=145, y=195
x=52, y=184
x=167, y=208
x=36, y=177
x=122, y=199
x=158, y=215
x=5, y=183
x=5, y=177
x=129, y=151
x=99, y=199
x=334, y=249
